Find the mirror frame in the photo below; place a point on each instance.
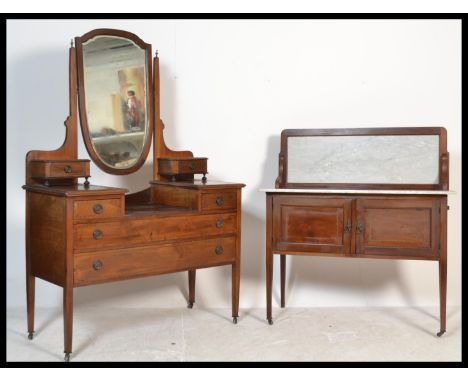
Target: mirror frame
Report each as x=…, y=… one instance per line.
x=79, y=41
x=282, y=179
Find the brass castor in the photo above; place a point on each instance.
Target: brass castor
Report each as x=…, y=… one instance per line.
x=67, y=357
x=270, y=321
x=190, y=305
x=440, y=333
x=30, y=335
x=234, y=320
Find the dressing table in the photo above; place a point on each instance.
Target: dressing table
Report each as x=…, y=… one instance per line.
x=80, y=234
x=378, y=193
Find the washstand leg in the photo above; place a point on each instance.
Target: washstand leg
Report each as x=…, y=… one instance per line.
x=191, y=280
x=283, y=279
x=443, y=294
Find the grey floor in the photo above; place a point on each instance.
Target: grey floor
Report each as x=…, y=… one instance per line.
x=198, y=334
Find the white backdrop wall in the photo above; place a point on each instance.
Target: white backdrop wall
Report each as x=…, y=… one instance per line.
x=228, y=89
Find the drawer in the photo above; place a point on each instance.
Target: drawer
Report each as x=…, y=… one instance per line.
x=97, y=208
x=123, y=233
x=174, y=166
x=219, y=201
x=119, y=264
x=41, y=169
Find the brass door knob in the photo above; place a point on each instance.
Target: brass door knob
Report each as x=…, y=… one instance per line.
x=219, y=200
x=98, y=208
x=219, y=223
x=219, y=250
x=97, y=234
x=97, y=265
x=67, y=169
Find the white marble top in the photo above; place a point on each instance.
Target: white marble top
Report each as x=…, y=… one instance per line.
x=337, y=191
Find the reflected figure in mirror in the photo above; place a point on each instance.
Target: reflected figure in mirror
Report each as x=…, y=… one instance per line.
x=133, y=111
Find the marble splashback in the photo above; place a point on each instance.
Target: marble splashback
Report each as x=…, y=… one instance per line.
x=392, y=159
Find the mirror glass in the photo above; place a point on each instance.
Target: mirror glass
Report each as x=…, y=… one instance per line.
x=116, y=99
x=386, y=159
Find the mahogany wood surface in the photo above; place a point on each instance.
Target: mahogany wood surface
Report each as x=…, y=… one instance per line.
x=42, y=169
x=125, y=263
x=98, y=208
x=79, y=234
x=348, y=225
x=219, y=201
x=150, y=229
x=177, y=166
x=48, y=239
x=315, y=225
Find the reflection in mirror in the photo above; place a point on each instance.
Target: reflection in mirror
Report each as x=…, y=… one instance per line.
x=115, y=84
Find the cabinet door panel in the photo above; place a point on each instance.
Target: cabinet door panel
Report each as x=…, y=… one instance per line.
x=312, y=225
x=397, y=227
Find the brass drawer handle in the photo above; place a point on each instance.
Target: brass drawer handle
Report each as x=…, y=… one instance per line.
x=97, y=265
x=191, y=166
x=67, y=169
x=219, y=250
x=348, y=226
x=219, y=223
x=219, y=200
x=359, y=227
x=97, y=234
x=98, y=208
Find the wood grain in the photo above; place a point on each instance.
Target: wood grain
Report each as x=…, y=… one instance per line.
x=120, y=264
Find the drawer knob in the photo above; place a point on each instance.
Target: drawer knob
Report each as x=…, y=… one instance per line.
x=97, y=265
x=97, y=234
x=67, y=169
x=219, y=250
x=191, y=166
x=98, y=208
x=219, y=200
x=219, y=223
x=359, y=227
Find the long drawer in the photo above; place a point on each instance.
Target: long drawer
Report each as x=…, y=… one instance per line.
x=130, y=232
x=119, y=264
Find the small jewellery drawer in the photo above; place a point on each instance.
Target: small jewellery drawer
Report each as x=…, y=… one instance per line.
x=58, y=169
x=175, y=166
x=97, y=209
x=219, y=201
x=118, y=264
x=125, y=232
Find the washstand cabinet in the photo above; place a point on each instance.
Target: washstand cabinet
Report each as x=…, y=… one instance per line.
x=80, y=234
x=378, y=193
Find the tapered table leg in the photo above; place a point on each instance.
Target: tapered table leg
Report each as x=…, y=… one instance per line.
x=283, y=279
x=191, y=279
x=30, y=278
x=269, y=257
x=443, y=294
x=30, y=299
x=269, y=282
x=68, y=320
x=235, y=291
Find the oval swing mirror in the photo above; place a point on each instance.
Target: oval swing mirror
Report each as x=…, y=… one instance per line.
x=115, y=99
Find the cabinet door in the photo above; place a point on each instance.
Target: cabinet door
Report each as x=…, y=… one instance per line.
x=305, y=224
x=403, y=227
